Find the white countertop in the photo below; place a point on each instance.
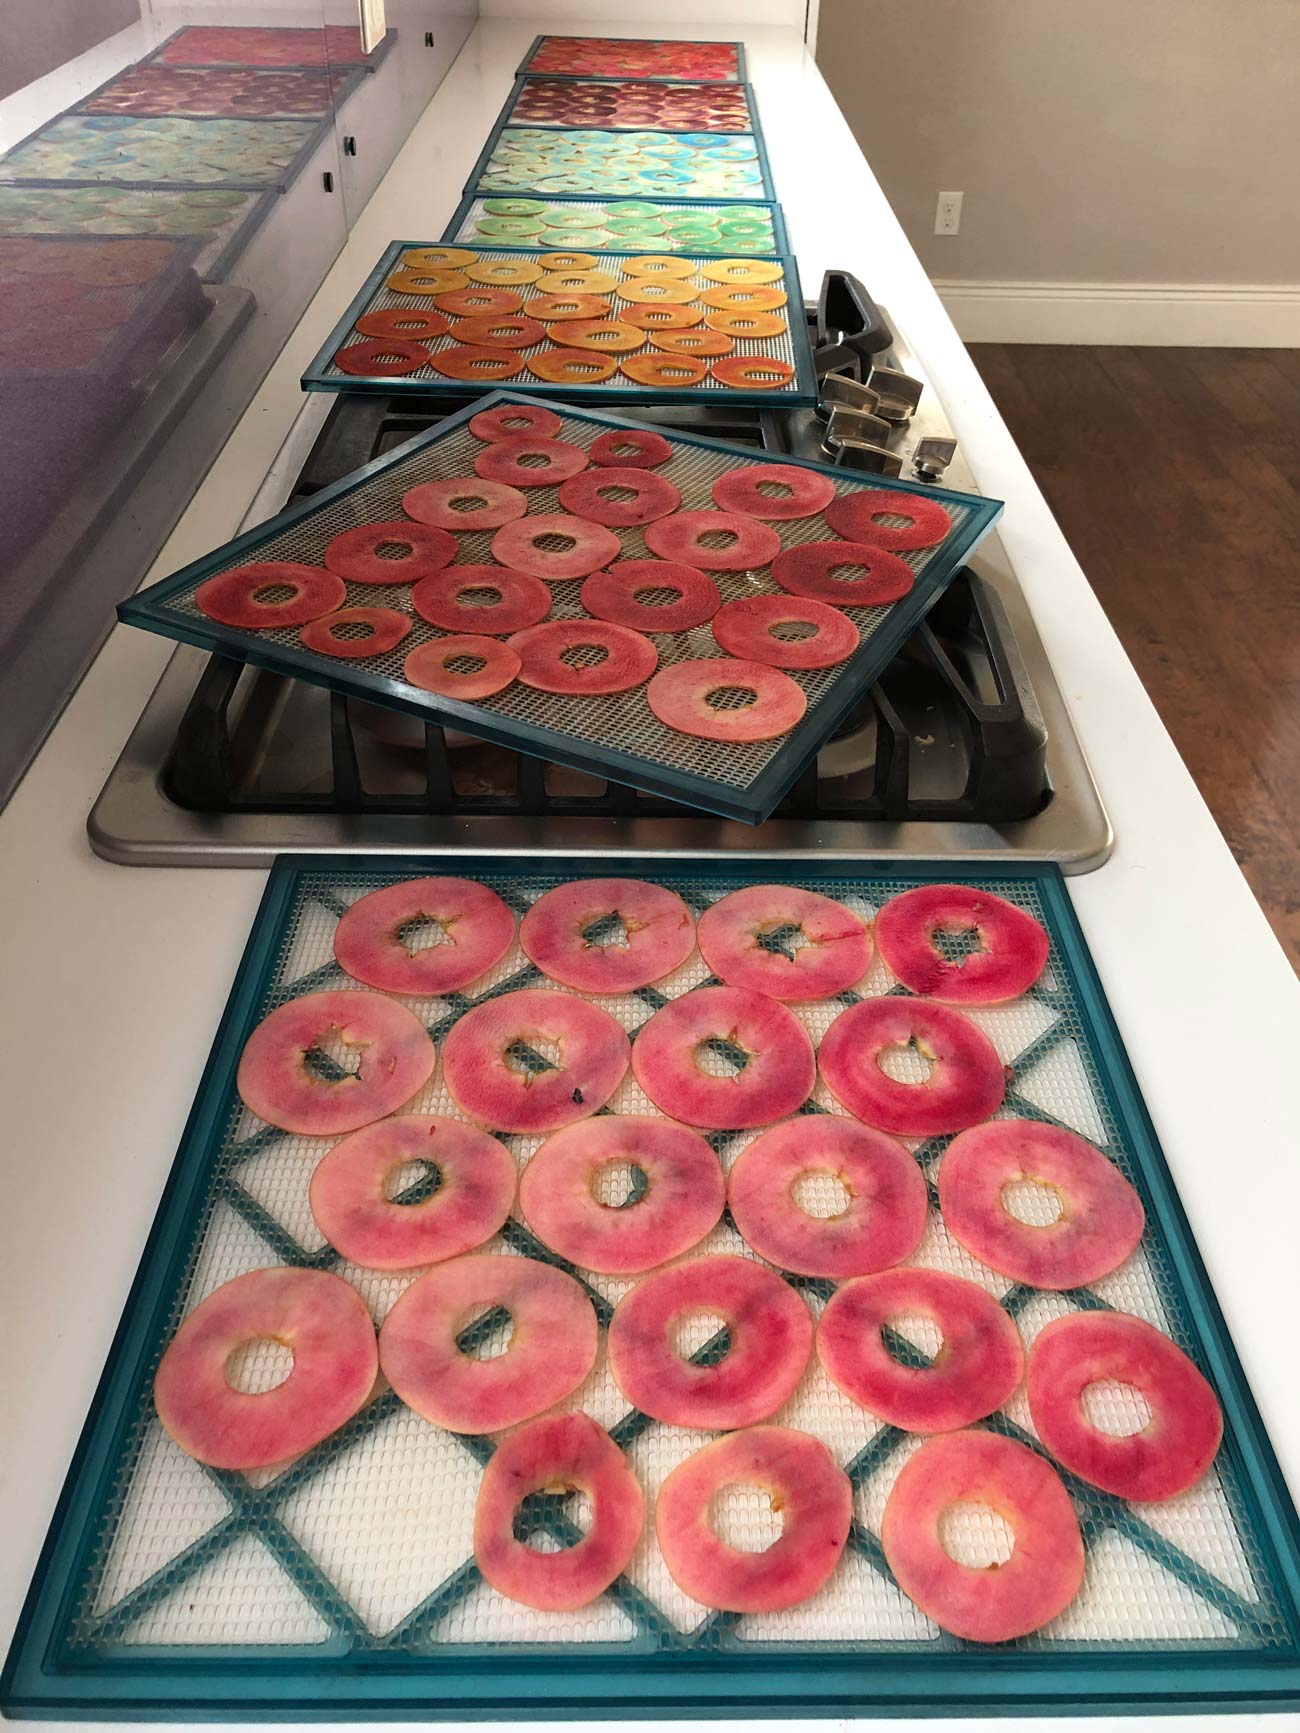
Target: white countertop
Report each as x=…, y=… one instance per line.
x=115, y=976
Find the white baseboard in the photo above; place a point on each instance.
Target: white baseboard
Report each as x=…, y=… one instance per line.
x=1231, y=315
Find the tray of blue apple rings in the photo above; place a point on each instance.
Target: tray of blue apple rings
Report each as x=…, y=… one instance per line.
x=620, y=225
x=571, y=162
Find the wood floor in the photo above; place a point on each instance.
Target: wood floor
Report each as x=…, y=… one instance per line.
x=1175, y=475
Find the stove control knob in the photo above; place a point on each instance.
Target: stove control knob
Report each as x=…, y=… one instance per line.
x=856, y=424
x=865, y=455
x=932, y=456
x=840, y=390
x=899, y=393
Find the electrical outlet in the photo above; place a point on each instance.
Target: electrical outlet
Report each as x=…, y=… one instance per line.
x=947, y=214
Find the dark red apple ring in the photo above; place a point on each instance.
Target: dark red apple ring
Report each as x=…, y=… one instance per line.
x=983, y=1604
x=522, y=600
x=502, y=461
x=428, y=667
x=670, y=371
x=964, y=1088
x=629, y=661
x=353, y=554
x=771, y=1333
x=486, y=1082
x=465, y=303
x=229, y=597
x=387, y=628
x=746, y=628
x=740, y=490
x=752, y=372
x=630, y=448
x=681, y=537
x=1013, y=946
x=658, y=928
x=978, y=1367
x=499, y=330
x=678, y=695
x=515, y=545
x=612, y=595
x=804, y=571
x=586, y=495
x=882, y=1223
x=433, y=502
x=1179, y=1441
x=515, y=421
x=477, y=927
x=381, y=357
x=405, y=323
x=1101, y=1219
x=776, y=1079
x=835, y=953
x=467, y=361
x=572, y=366
x=853, y=516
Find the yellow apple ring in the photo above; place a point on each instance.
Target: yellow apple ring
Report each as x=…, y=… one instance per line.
x=650, y=292
x=741, y=300
x=577, y=282
x=567, y=261
x=661, y=265
x=751, y=326
x=506, y=272
x=436, y=258
x=434, y=282
x=741, y=272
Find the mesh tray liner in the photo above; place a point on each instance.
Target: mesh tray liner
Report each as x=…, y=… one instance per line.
x=464, y=227
x=363, y=1546
x=498, y=168
x=743, y=780
x=576, y=92
x=729, y=59
x=790, y=346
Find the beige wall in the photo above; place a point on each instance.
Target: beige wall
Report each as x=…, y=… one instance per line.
x=38, y=35
x=1124, y=141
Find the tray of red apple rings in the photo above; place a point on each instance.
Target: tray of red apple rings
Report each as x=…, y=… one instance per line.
x=615, y=326
x=661, y=610
x=784, y=1243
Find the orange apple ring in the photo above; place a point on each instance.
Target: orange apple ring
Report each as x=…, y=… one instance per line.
x=572, y=367
x=666, y=370
x=504, y=273
x=466, y=303
x=606, y=335
x=476, y=361
x=426, y=282
x=693, y=342
x=661, y=318
x=552, y=308
x=747, y=325
x=499, y=331
x=650, y=292
x=741, y=272
x=748, y=372
x=436, y=258
x=745, y=300
x=576, y=282
x=660, y=265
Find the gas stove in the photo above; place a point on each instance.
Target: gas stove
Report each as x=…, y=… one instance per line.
x=962, y=749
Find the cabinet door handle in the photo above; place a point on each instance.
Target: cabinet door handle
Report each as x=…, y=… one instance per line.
x=349, y=145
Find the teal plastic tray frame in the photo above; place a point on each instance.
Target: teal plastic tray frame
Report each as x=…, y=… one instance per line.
x=780, y=234
x=799, y=393
x=524, y=70
x=753, y=129
x=751, y=804
x=356, y=1675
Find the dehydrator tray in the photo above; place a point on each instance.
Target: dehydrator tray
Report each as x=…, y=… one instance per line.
x=165, y=151
x=614, y=225
x=614, y=736
x=344, y=1586
x=236, y=92
x=793, y=381
x=719, y=167
x=653, y=59
x=221, y=221
x=282, y=47
x=623, y=104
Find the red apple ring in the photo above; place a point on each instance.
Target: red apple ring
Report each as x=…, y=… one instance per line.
x=630, y=448
x=658, y=931
x=1101, y=1219
x=434, y=502
x=805, y=571
x=354, y=554
x=684, y=1196
x=231, y=597
x=387, y=628
x=886, y=1213
x=977, y=1369
x=493, y=1086
x=397, y=1060
x=965, y=1086
x=807, y=491
x=752, y=372
x=681, y=537
x=551, y=1351
x=503, y=461
x=572, y=1452
x=835, y=952
x=476, y=1187
x=771, y=1331
x=381, y=357
x=661, y=318
x=612, y=595
x=587, y=495
x=747, y=628
x=853, y=516
x=815, y=1497
x=407, y=324
x=1179, y=1441
x=319, y=1317
x=465, y=303
x=515, y=421
x=516, y=545
x=572, y=367
x=629, y=658
x=995, y=1603
x=672, y=372
x=476, y=361
x=1013, y=946
x=499, y=330
x=776, y=1079
x=521, y=600
x=679, y=696
x=429, y=667
x=476, y=926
